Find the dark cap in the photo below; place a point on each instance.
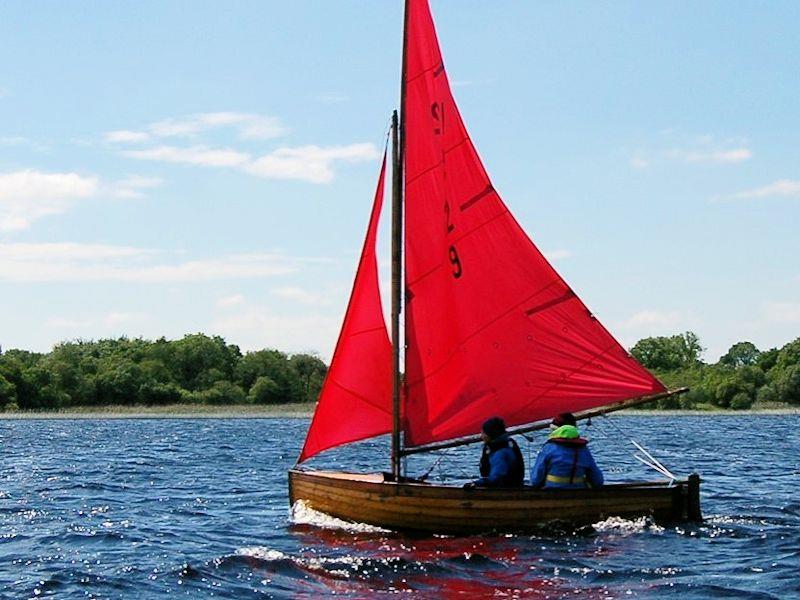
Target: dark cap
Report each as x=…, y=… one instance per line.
x=494, y=427
x=564, y=419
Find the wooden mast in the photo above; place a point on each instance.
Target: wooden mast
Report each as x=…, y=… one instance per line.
x=398, y=148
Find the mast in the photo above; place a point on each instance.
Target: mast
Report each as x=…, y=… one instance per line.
x=397, y=227
x=398, y=147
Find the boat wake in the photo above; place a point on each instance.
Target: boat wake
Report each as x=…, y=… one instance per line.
x=302, y=514
x=627, y=526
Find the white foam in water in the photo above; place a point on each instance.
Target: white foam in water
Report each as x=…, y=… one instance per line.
x=620, y=525
x=302, y=514
x=262, y=553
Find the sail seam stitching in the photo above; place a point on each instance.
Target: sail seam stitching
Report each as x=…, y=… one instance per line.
x=421, y=73
x=476, y=332
x=360, y=397
x=568, y=295
x=479, y=196
x=439, y=163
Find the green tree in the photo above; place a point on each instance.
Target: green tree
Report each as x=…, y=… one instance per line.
x=668, y=353
x=8, y=393
x=264, y=391
x=767, y=359
x=741, y=354
x=787, y=384
x=311, y=371
x=275, y=365
x=741, y=401
x=195, y=355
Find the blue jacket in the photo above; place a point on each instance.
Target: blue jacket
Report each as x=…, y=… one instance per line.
x=501, y=464
x=554, y=466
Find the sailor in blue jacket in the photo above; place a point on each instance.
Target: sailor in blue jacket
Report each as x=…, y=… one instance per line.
x=565, y=460
x=502, y=464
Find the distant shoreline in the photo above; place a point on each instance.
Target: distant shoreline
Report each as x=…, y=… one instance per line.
x=297, y=410
x=173, y=411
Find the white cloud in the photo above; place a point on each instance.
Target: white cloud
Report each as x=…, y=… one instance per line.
x=248, y=126
x=230, y=301
x=67, y=252
x=131, y=187
x=26, y=196
x=309, y=163
x=556, y=255
x=259, y=327
x=781, y=312
x=694, y=149
x=115, y=319
x=65, y=323
x=95, y=262
x=306, y=163
x=110, y=321
x=302, y=296
x=123, y=136
x=784, y=187
x=193, y=155
x=652, y=319
x=735, y=155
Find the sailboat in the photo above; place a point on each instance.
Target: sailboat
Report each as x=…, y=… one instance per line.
x=490, y=329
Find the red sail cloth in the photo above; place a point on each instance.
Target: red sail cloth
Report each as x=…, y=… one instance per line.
x=356, y=398
x=491, y=328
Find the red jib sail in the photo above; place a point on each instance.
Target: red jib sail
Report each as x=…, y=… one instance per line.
x=356, y=398
x=491, y=328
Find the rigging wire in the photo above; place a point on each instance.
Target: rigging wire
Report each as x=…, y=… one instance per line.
x=648, y=459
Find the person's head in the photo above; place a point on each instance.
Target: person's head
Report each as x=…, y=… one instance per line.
x=492, y=429
x=563, y=419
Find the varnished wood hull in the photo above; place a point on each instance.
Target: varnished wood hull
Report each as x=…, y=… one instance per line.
x=367, y=498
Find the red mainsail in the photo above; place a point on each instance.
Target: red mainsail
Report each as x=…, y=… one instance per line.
x=356, y=398
x=491, y=328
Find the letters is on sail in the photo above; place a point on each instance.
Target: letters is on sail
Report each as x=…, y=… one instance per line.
x=491, y=327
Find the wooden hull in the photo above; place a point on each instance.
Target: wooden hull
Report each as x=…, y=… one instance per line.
x=367, y=498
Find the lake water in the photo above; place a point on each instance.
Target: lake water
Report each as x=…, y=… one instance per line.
x=198, y=509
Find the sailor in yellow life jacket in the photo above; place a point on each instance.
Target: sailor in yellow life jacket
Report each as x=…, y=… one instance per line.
x=565, y=460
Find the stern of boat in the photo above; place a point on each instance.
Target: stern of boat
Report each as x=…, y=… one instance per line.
x=692, y=510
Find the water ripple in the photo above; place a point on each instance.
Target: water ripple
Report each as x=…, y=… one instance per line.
x=199, y=508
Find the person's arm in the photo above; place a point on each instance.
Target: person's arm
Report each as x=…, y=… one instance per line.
x=593, y=472
x=539, y=470
x=501, y=465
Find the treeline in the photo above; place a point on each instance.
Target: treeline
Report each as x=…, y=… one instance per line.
x=205, y=370
x=196, y=369
x=745, y=377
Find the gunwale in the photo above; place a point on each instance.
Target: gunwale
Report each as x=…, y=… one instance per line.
x=434, y=508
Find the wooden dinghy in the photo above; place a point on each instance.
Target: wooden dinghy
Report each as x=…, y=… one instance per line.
x=490, y=329
x=419, y=507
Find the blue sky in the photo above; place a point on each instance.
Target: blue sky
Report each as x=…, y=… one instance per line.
x=174, y=167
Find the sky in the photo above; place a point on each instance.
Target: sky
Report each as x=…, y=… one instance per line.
x=179, y=167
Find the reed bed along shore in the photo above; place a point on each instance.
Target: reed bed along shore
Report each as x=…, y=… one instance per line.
x=172, y=411
x=295, y=410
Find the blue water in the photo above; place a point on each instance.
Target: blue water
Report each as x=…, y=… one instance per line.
x=198, y=509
